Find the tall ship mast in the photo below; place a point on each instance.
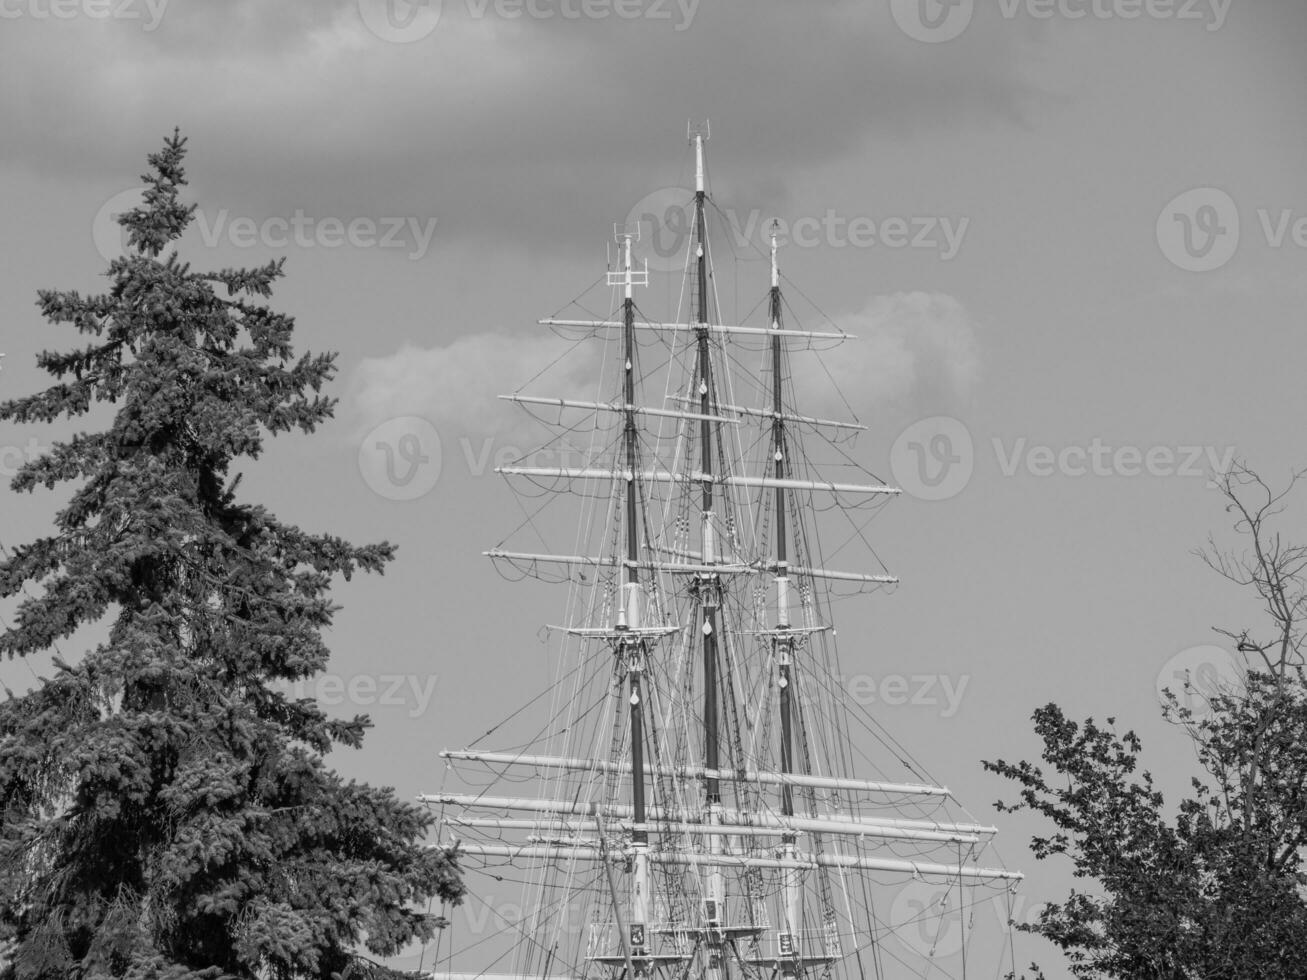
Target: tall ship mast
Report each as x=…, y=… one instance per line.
x=688, y=799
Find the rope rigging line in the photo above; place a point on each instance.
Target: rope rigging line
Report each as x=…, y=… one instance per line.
x=652, y=540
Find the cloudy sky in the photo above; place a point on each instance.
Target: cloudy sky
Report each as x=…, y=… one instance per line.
x=1071, y=236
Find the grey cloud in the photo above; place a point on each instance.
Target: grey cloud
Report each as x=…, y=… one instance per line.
x=440, y=128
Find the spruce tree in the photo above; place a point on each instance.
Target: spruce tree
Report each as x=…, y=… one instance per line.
x=167, y=810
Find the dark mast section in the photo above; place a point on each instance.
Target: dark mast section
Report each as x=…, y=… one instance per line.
x=632, y=649
x=709, y=582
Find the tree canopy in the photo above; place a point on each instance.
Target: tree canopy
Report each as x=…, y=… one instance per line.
x=167, y=810
x=1215, y=888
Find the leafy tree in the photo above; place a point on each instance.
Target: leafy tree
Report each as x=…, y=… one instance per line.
x=1217, y=891
x=166, y=808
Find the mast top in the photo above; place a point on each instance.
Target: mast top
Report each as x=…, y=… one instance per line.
x=698, y=133
x=775, y=269
x=626, y=275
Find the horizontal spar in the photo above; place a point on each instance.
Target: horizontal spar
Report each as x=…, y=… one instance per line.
x=810, y=862
x=661, y=476
x=772, y=482
x=768, y=413
x=608, y=407
x=698, y=772
x=617, y=632
x=753, y=818
x=688, y=568
x=772, y=567
x=826, y=573
x=780, y=827
x=692, y=327
x=657, y=566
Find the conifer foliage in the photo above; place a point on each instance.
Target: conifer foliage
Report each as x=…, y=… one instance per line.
x=166, y=807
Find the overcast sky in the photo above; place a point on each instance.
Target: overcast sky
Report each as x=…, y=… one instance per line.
x=1067, y=233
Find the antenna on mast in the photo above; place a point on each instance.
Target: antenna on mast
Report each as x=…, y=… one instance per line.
x=775, y=269
x=698, y=133
x=627, y=275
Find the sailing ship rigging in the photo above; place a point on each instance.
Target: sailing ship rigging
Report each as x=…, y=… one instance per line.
x=698, y=810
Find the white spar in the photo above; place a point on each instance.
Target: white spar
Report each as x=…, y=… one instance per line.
x=782, y=826
x=767, y=413
x=803, y=862
x=699, y=772
x=692, y=327
x=690, y=568
x=609, y=407
x=750, y=818
x=662, y=476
